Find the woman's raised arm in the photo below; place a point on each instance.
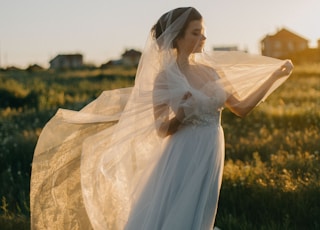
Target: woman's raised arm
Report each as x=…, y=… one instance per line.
x=243, y=107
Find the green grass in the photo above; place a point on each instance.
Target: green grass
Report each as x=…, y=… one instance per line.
x=272, y=173
x=271, y=177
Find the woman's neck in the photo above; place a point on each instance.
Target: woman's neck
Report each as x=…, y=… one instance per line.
x=183, y=61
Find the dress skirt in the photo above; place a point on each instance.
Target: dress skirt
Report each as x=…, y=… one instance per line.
x=182, y=192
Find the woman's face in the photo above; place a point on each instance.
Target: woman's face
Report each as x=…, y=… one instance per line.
x=193, y=39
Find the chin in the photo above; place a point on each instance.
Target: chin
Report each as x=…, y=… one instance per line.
x=198, y=50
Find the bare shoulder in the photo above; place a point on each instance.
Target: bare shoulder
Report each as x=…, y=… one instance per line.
x=208, y=71
x=161, y=77
x=161, y=80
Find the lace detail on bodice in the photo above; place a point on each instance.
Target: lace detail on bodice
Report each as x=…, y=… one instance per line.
x=204, y=120
x=205, y=106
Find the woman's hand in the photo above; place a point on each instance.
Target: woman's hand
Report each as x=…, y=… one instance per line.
x=284, y=70
x=243, y=107
x=180, y=113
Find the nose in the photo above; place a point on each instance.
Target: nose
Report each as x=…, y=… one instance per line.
x=203, y=37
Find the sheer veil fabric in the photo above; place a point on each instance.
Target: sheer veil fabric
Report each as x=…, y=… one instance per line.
x=107, y=167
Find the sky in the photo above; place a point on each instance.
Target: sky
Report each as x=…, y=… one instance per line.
x=35, y=31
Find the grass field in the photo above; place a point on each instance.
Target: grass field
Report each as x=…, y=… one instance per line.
x=272, y=168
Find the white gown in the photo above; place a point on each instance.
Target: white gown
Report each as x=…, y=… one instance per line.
x=105, y=167
x=183, y=190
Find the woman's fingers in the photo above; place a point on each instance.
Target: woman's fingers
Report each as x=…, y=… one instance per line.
x=287, y=67
x=186, y=95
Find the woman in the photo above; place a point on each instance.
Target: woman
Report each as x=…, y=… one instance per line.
x=160, y=166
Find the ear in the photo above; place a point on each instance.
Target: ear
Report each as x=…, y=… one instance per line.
x=175, y=41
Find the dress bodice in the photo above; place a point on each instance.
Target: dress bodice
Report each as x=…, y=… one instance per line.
x=205, y=105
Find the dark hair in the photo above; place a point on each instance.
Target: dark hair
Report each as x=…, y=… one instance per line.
x=163, y=22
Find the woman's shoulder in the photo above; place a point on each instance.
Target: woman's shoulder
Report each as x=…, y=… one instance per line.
x=207, y=67
x=208, y=70
x=161, y=79
x=170, y=70
x=161, y=76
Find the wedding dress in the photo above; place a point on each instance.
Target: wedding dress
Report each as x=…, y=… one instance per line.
x=107, y=167
x=182, y=191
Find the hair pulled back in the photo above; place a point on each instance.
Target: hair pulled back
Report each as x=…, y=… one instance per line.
x=167, y=19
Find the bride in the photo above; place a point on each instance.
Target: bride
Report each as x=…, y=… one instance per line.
x=151, y=156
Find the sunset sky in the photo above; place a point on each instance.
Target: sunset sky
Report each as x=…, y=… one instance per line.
x=35, y=31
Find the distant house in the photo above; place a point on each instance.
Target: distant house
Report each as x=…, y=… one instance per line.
x=67, y=61
x=228, y=48
x=34, y=68
x=283, y=44
x=110, y=64
x=131, y=57
x=225, y=48
x=310, y=55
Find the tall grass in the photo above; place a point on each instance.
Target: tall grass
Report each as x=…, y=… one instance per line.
x=271, y=177
x=272, y=173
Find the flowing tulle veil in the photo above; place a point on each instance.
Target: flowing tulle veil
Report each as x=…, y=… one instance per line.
x=90, y=166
